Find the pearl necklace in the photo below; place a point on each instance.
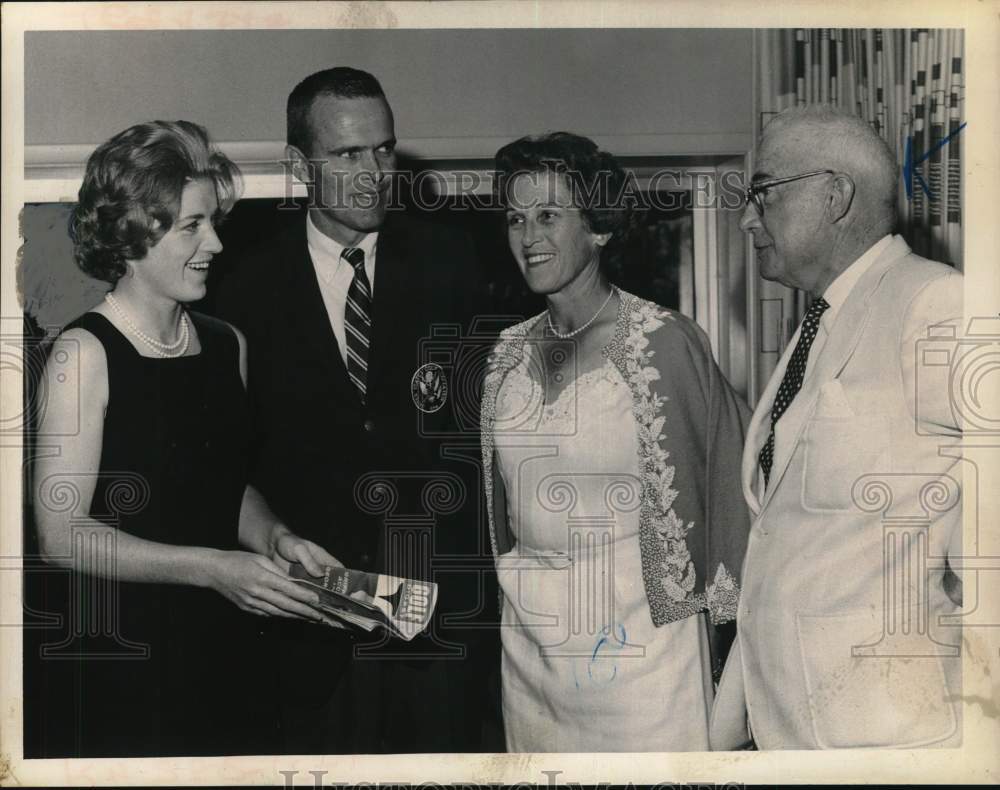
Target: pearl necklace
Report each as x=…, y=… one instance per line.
x=166, y=350
x=579, y=329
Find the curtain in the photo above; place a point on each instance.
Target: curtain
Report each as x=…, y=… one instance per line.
x=908, y=85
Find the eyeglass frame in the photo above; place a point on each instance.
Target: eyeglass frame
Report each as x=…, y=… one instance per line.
x=751, y=195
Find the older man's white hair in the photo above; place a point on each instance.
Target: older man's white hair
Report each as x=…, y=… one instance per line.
x=829, y=137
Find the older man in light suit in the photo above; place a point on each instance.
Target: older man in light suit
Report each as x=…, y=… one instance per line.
x=849, y=466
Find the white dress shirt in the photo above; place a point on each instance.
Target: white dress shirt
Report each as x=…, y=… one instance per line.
x=836, y=294
x=334, y=275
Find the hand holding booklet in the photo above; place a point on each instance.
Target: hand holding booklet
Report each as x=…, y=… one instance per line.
x=366, y=600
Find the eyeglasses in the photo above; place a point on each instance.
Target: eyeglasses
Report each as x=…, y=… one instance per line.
x=754, y=191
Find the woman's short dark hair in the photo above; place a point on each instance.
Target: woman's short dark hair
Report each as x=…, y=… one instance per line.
x=596, y=179
x=132, y=189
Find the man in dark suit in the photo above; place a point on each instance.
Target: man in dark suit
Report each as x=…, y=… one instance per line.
x=350, y=429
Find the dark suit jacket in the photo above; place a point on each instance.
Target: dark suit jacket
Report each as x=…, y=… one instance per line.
x=345, y=474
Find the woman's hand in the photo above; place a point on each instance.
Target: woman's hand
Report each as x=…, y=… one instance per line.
x=257, y=585
x=289, y=548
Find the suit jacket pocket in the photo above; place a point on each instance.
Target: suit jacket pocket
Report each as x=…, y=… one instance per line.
x=897, y=701
x=838, y=451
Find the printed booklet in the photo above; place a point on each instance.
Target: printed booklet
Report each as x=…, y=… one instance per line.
x=367, y=600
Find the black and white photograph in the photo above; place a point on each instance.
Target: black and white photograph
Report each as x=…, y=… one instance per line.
x=537, y=392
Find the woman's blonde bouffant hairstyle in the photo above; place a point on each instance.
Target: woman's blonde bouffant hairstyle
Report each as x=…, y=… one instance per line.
x=132, y=189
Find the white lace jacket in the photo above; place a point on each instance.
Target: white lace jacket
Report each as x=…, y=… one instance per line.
x=693, y=522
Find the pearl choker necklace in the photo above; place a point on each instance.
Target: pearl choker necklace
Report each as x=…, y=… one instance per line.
x=579, y=329
x=167, y=350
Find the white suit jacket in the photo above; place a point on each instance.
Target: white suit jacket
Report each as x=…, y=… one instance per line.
x=843, y=637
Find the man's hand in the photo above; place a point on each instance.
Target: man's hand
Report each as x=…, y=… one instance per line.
x=289, y=548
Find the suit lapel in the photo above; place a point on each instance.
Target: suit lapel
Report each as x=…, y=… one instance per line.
x=843, y=339
x=759, y=428
x=308, y=314
x=393, y=269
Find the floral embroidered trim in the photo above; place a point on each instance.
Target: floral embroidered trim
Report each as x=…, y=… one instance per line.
x=723, y=596
x=506, y=355
x=669, y=572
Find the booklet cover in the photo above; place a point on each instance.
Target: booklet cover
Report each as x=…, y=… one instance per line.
x=367, y=600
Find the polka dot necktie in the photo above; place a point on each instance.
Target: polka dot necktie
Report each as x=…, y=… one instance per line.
x=791, y=383
x=358, y=320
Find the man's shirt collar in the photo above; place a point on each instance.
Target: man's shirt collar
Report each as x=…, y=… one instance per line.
x=325, y=248
x=836, y=292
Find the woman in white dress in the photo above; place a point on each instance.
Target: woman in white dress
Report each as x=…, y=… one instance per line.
x=611, y=449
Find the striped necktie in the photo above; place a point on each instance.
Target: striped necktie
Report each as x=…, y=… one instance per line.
x=791, y=382
x=358, y=320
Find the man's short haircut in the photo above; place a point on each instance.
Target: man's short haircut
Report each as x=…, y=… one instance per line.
x=846, y=142
x=340, y=82
x=132, y=188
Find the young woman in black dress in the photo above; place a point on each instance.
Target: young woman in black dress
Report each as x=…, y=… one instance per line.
x=144, y=504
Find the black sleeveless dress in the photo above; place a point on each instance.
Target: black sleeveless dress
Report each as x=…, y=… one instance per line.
x=139, y=669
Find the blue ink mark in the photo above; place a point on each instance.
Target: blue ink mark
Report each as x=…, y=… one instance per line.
x=620, y=637
x=614, y=673
x=910, y=163
x=600, y=643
